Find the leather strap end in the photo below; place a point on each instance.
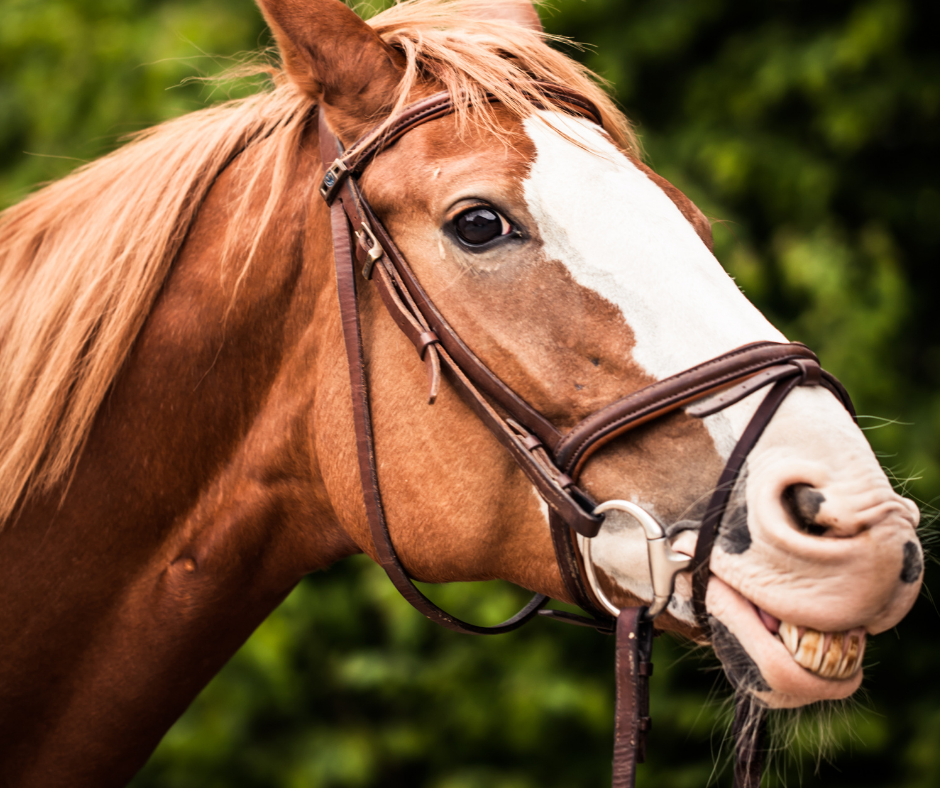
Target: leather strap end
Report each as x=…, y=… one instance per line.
x=587, y=527
x=426, y=346
x=588, y=524
x=432, y=362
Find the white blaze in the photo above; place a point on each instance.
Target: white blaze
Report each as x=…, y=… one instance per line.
x=620, y=235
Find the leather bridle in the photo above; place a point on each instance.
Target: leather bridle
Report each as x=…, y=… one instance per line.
x=552, y=460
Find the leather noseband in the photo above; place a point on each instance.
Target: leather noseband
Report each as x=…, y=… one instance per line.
x=553, y=461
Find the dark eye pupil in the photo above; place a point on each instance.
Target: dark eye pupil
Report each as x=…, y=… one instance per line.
x=479, y=225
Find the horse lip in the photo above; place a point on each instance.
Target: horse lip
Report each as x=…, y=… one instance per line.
x=790, y=684
x=831, y=655
x=836, y=656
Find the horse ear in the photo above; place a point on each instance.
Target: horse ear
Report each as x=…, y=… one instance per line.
x=521, y=12
x=333, y=55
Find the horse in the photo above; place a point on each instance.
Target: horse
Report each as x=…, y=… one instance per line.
x=180, y=446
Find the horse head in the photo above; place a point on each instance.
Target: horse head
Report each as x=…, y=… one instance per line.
x=577, y=275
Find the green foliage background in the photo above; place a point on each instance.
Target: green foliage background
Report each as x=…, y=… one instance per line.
x=811, y=129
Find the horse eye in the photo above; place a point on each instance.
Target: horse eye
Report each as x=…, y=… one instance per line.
x=479, y=226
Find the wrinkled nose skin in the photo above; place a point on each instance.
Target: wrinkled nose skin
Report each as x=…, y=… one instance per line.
x=862, y=569
x=815, y=536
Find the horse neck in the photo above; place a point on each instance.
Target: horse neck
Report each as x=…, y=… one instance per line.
x=216, y=394
x=195, y=507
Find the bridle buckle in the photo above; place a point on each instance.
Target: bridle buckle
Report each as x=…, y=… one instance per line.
x=332, y=180
x=374, y=252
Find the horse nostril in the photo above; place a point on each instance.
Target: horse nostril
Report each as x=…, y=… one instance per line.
x=803, y=502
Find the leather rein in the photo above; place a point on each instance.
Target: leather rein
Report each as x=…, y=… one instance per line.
x=553, y=461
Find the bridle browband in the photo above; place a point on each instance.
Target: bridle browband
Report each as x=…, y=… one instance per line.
x=552, y=461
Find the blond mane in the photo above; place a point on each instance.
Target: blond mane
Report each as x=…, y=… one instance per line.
x=82, y=260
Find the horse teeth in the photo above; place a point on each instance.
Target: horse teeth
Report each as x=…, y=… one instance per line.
x=790, y=636
x=831, y=655
x=854, y=649
x=810, y=653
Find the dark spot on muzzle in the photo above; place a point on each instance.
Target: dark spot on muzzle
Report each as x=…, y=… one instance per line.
x=740, y=669
x=734, y=536
x=913, y=563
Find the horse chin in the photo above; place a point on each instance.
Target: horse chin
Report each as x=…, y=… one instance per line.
x=757, y=661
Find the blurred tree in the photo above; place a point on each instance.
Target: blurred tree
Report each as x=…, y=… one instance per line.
x=810, y=129
x=79, y=75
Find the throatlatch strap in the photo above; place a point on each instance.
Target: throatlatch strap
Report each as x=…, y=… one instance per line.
x=343, y=250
